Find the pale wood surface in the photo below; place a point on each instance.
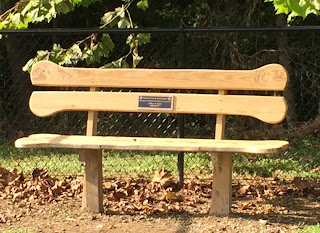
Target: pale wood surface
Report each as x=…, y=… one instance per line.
x=91, y=129
x=92, y=196
x=221, y=184
x=269, y=77
x=92, y=120
x=222, y=173
x=270, y=109
x=220, y=120
x=147, y=143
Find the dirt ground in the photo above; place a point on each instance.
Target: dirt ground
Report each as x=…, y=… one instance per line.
x=67, y=216
x=45, y=204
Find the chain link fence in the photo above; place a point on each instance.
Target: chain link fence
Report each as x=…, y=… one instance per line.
x=298, y=50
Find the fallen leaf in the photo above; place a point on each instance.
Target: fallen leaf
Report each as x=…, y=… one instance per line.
x=244, y=189
x=163, y=177
x=245, y=205
x=145, y=202
x=121, y=193
x=263, y=222
x=100, y=226
x=281, y=190
x=110, y=186
x=301, y=185
x=173, y=197
x=39, y=173
x=111, y=197
x=6, y=176
x=2, y=219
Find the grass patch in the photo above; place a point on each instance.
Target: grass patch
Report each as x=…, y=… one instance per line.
x=310, y=229
x=301, y=159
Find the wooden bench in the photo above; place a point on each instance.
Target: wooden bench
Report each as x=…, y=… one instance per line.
x=270, y=109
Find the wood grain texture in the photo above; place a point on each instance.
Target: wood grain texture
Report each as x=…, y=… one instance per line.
x=147, y=143
x=221, y=184
x=92, y=119
x=269, y=77
x=91, y=129
x=220, y=120
x=92, y=197
x=222, y=172
x=270, y=109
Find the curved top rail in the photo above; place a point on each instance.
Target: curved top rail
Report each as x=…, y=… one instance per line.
x=272, y=77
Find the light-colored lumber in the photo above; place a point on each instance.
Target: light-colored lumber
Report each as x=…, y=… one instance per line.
x=92, y=196
x=91, y=129
x=221, y=119
x=221, y=184
x=149, y=143
x=270, y=109
x=222, y=172
x=92, y=120
x=269, y=77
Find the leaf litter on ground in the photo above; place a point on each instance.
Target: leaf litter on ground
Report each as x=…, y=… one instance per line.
x=156, y=195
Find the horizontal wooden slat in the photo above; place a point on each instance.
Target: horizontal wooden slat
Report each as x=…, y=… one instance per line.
x=270, y=109
x=269, y=77
x=145, y=143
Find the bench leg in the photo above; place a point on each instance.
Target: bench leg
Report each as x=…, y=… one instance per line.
x=92, y=197
x=222, y=184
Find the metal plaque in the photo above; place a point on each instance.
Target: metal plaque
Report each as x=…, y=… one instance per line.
x=155, y=102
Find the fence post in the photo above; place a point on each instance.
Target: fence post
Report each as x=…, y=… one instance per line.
x=181, y=116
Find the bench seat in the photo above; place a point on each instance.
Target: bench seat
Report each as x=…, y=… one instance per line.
x=147, y=143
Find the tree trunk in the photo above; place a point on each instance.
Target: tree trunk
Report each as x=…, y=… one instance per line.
x=284, y=59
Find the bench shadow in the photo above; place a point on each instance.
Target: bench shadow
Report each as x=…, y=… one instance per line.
x=301, y=211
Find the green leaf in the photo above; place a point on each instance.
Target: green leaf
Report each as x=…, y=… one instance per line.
x=130, y=41
x=124, y=23
x=41, y=54
x=297, y=8
x=143, y=38
x=64, y=7
x=87, y=3
x=76, y=51
x=136, y=58
x=120, y=63
x=106, y=39
x=28, y=65
x=56, y=53
x=73, y=1
x=108, y=17
x=15, y=19
x=282, y=9
x=88, y=56
x=143, y=4
x=27, y=7
x=33, y=14
x=120, y=11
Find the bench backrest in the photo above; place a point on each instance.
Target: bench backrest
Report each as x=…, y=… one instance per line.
x=270, y=109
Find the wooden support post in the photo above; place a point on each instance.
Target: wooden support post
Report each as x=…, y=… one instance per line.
x=222, y=176
x=222, y=184
x=92, y=198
